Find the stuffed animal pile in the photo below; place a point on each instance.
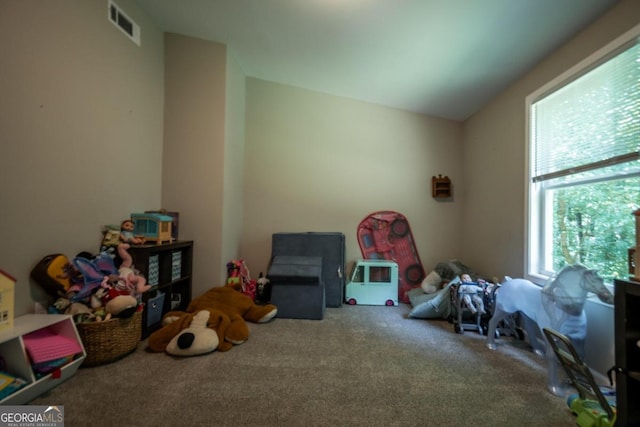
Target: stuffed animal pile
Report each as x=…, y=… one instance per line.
x=221, y=311
x=93, y=289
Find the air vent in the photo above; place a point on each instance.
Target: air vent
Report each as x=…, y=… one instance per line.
x=124, y=23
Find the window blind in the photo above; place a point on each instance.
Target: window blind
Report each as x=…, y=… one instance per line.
x=591, y=123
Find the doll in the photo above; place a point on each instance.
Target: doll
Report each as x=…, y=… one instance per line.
x=127, y=238
x=126, y=233
x=468, y=291
x=132, y=282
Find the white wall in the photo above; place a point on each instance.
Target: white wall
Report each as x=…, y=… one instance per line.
x=233, y=161
x=494, y=152
x=194, y=144
x=494, y=162
x=316, y=162
x=81, y=111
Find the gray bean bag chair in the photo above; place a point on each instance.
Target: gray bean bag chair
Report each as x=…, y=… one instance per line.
x=432, y=306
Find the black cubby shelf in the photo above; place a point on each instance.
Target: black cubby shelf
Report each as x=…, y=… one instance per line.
x=168, y=268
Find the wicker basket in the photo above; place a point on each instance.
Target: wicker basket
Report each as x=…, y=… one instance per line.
x=108, y=341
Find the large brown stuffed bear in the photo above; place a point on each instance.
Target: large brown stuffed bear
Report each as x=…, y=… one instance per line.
x=229, y=311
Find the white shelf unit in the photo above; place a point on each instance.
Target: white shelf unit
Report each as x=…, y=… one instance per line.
x=16, y=359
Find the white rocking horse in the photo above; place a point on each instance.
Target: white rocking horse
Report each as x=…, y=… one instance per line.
x=558, y=305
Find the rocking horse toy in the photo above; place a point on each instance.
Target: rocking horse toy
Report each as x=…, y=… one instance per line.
x=558, y=305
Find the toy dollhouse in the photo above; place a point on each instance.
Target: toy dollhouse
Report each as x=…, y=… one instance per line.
x=153, y=227
x=7, y=289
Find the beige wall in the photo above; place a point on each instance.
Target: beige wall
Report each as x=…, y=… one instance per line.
x=233, y=161
x=83, y=116
x=81, y=112
x=194, y=149
x=494, y=160
x=316, y=162
x=494, y=153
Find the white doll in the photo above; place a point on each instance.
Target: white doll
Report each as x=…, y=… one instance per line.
x=468, y=291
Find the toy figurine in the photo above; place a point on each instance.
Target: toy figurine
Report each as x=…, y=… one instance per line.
x=127, y=238
x=468, y=291
x=126, y=233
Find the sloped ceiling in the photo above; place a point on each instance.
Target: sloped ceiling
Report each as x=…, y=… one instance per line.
x=445, y=58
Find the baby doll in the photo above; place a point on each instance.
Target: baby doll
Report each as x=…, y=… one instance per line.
x=127, y=238
x=468, y=291
x=126, y=233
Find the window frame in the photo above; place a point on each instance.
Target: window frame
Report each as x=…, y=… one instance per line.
x=535, y=206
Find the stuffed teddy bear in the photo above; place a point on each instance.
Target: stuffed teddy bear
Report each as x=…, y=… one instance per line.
x=229, y=310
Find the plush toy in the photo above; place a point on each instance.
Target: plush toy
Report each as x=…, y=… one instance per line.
x=229, y=311
x=110, y=239
x=133, y=282
x=103, y=287
x=196, y=339
x=263, y=290
x=63, y=305
x=99, y=315
x=239, y=278
x=80, y=311
x=442, y=274
x=117, y=303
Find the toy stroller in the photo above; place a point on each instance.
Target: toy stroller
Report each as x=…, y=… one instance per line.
x=590, y=405
x=461, y=297
x=468, y=298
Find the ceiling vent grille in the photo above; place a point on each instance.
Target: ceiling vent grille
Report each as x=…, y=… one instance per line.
x=123, y=22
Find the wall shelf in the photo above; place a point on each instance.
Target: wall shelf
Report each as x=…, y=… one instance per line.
x=440, y=187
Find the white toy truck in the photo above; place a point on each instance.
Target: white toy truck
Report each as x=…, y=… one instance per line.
x=373, y=282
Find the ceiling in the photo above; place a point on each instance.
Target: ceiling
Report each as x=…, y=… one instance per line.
x=445, y=58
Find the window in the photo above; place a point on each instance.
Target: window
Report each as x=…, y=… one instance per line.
x=380, y=274
x=584, y=164
x=358, y=274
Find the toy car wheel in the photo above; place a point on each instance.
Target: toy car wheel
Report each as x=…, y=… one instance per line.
x=414, y=274
x=352, y=301
x=389, y=303
x=400, y=228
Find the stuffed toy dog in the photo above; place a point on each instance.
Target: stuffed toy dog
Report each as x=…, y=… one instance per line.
x=195, y=339
x=229, y=310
